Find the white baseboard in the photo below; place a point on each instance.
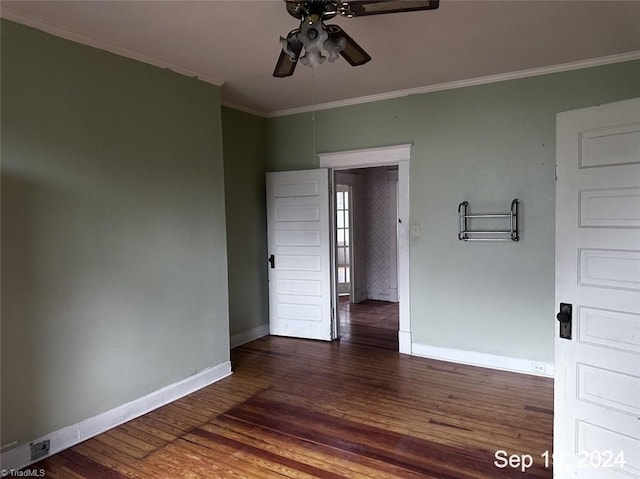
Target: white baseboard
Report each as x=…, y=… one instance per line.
x=69, y=436
x=250, y=335
x=390, y=297
x=404, y=342
x=484, y=360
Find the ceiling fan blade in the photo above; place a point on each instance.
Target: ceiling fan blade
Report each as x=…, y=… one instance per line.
x=285, y=66
x=361, y=8
x=352, y=52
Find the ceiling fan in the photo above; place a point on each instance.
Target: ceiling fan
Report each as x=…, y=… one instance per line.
x=322, y=42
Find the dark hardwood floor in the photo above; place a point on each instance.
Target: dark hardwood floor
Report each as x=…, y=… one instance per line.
x=351, y=408
x=370, y=323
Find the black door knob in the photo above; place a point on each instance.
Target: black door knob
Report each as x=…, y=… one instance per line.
x=564, y=316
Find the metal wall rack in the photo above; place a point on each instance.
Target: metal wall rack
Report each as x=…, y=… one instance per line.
x=466, y=234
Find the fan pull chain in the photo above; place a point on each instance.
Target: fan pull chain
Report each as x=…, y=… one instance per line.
x=313, y=110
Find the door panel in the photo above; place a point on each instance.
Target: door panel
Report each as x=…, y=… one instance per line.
x=597, y=383
x=298, y=237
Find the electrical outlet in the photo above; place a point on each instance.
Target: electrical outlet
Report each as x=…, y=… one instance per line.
x=40, y=449
x=538, y=368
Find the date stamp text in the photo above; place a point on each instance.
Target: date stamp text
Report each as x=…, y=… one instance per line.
x=585, y=459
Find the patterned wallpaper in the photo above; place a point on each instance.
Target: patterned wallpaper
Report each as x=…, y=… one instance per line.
x=373, y=235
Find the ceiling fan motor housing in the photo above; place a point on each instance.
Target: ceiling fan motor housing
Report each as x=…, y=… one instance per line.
x=323, y=9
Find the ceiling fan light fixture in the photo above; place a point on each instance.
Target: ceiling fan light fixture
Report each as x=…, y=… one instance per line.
x=333, y=47
x=328, y=42
x=288, y=46
x=313, y=59
x=312, y=35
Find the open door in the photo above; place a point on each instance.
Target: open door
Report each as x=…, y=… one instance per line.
x=597, y=346
x=300, y=303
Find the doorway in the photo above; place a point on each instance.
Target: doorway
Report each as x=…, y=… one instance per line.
x=397, y=157
x=366, y=255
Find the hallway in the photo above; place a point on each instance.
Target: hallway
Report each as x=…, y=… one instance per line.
x=370, y=323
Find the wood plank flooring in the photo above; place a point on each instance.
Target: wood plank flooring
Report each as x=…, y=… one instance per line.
x=370, y=323
x=304, y=409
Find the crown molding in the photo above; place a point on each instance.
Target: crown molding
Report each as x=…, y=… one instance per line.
x=61, y=32
x=244, y=109
x=592, y=62
x=39, y=24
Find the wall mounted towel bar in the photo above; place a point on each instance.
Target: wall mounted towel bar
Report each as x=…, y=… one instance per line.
x=465, y=232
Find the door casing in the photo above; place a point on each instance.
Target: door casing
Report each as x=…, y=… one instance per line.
x=399, y=155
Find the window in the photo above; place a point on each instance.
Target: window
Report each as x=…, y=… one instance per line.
x=343, y=246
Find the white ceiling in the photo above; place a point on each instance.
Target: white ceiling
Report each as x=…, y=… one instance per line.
x=235, y=43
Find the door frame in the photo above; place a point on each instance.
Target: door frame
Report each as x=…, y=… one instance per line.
x=399, y=155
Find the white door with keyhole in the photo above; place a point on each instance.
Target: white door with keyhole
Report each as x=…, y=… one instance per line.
x=299, y=265
x=597, y=382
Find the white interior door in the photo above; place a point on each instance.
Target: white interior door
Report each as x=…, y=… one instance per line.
x=299, y=248
x=597, y=383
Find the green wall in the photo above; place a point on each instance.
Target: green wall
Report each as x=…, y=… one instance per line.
x=114, y=256
x=245, y=163
x=114, y=266
x=485, y=144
